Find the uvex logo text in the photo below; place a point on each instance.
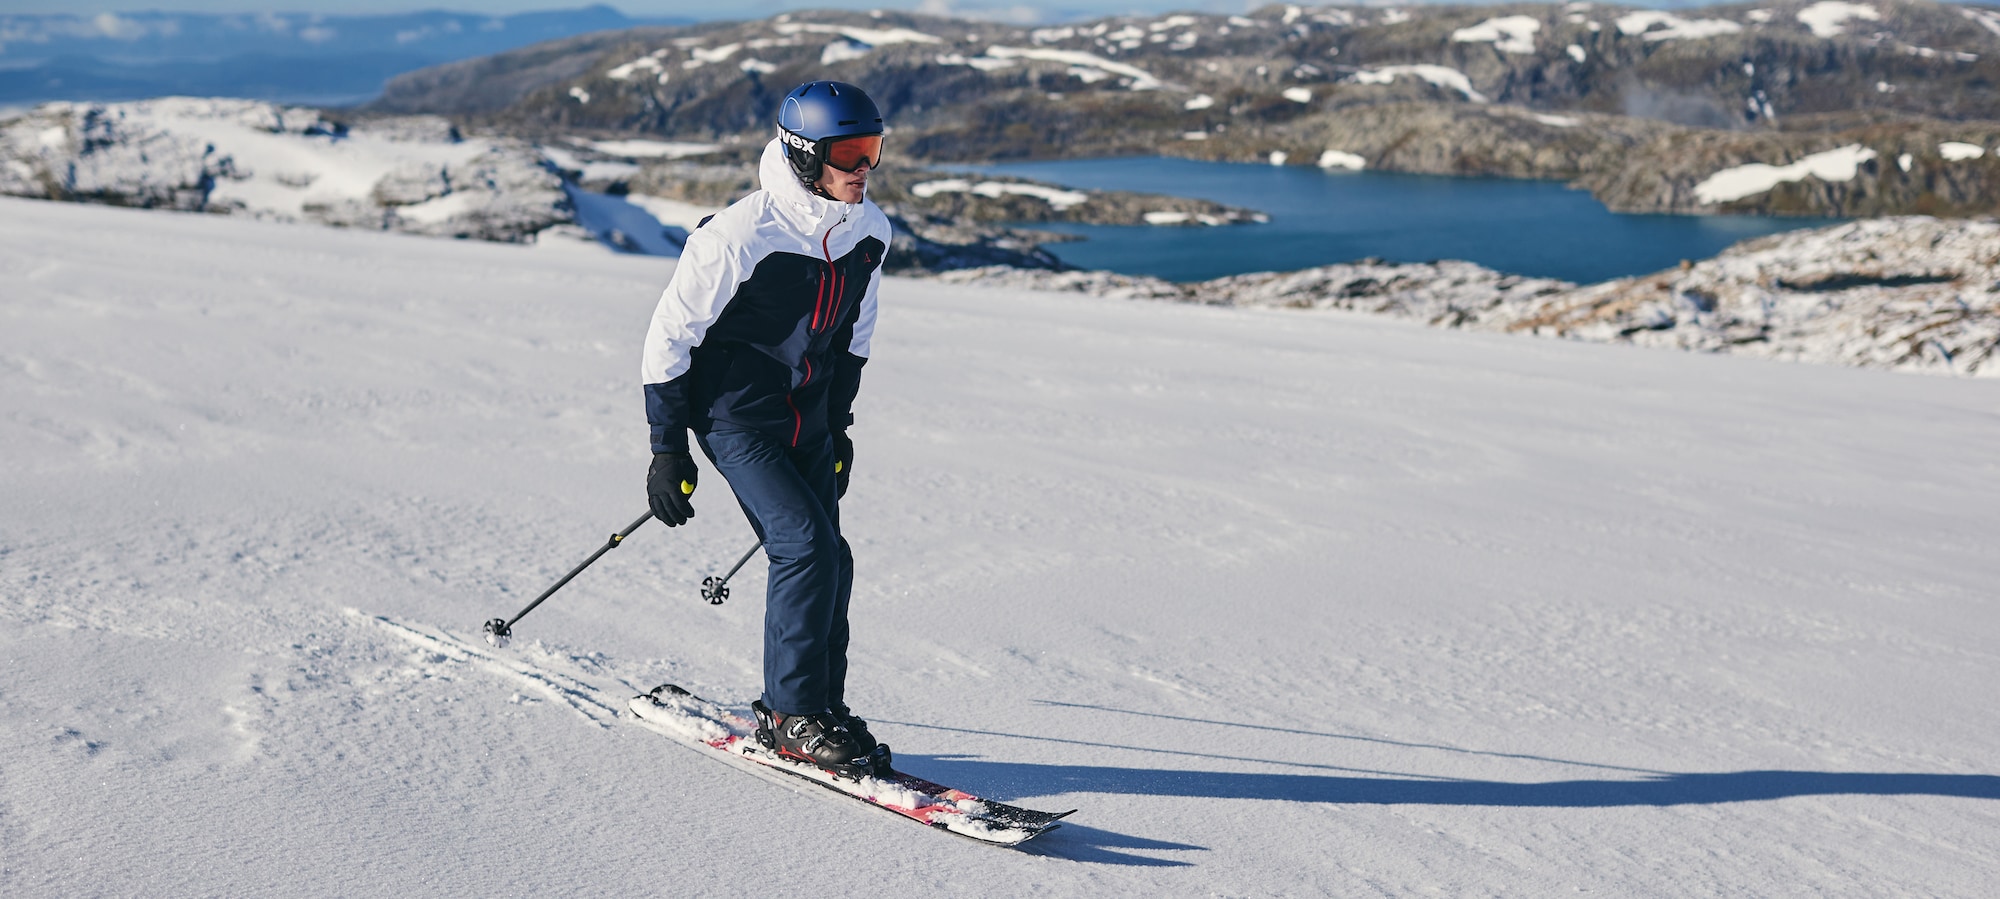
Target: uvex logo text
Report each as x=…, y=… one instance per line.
x=796, y=141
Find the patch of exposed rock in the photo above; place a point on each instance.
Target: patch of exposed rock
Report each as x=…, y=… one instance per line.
x=1913, y=293
x=1909, y=293
x=243, y=157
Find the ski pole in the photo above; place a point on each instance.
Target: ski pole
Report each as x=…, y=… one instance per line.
x=498, y=630
x=714, y=590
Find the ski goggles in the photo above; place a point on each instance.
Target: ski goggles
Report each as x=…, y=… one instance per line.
x=848, y=153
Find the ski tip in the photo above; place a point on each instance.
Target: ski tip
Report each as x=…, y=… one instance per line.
x=670, y=690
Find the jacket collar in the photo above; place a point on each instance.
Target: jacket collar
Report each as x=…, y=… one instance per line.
x=812, y=212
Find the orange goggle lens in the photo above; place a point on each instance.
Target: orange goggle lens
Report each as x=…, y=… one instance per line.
x=848, y=153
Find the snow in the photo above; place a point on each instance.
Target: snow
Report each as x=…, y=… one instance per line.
x=638, y=148
x=872, y=37
x=680, y=214
x=842, y=51
x=580, y=95
x=1141, y=79
x=1278, y=157
x=1199, y=101
x=1839, y=164
x=1287, y=602
x=1297, y=94
x=1341, y=159
x=1959, y=151
x=1903, y=161
x=1557, y=121
x=757, y=66
x=589, y=170
x=1507, y=34
x=1576, y=52
x=257, y=159
x=1673, y=27
x=1829, y=18
x=650, y=62
x=1056, y=197
x=1985, y=18
x=982, y=63
x=1442, y=76
x=1934, y=53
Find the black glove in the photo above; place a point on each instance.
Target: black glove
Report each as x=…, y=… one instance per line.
x=670, y=487
x=843, y=462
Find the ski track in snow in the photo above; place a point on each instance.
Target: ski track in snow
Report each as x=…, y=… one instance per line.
x=586, y=700
x=1286, y=602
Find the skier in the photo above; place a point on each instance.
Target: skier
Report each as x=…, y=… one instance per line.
x=757, y=347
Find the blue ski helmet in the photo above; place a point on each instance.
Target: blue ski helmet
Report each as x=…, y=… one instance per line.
x=818, y=113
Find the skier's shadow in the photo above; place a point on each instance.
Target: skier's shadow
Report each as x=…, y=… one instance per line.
x=1700, y=788
x=1636, y=786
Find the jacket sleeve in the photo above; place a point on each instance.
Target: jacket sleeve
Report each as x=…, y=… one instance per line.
x=860, y=333
x=712, y=268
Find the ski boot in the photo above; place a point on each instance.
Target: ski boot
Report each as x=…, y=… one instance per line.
x=820, y=740
x=877, y=752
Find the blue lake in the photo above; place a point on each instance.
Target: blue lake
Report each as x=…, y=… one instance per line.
x=1317, y=218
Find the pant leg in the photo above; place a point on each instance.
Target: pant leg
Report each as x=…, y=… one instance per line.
x=791, y=505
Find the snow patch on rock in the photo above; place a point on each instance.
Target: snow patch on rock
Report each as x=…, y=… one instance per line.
x=1141, y=79
x=1341, y=159
x=1442, y=76
x=1959, y=151
x=1829, y=18
x=1654, y=25
x=1840, y=164
x=1055, y=197
x=1507, y=34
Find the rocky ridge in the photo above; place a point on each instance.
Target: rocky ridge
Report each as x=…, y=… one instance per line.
x=243, y=157
x=1643, y=107
x=1909, y=293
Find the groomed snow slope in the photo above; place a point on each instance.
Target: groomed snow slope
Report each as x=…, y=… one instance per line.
x=1286, y=602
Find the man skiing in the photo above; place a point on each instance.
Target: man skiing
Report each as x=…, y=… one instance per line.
x=757, y=347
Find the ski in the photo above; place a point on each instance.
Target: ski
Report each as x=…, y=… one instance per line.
x=731, y=736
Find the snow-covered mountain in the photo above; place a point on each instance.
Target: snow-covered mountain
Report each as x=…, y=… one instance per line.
x=1286, y=603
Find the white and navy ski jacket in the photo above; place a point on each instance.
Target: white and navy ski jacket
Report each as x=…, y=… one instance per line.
x=767, y=320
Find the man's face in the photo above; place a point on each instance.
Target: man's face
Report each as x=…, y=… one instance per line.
x=847, y=187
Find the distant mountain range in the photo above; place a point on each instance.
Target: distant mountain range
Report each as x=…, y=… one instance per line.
x=289, y=57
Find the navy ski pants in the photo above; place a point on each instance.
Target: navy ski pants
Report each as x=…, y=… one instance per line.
x=789, y=494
